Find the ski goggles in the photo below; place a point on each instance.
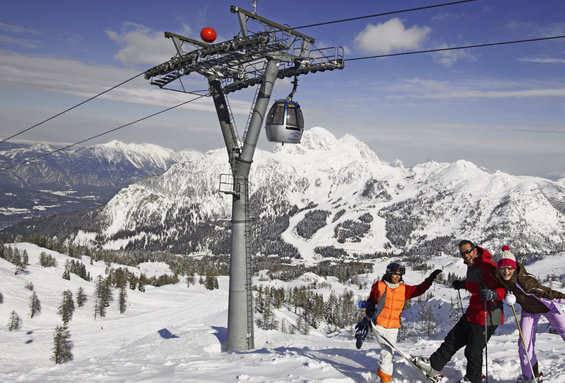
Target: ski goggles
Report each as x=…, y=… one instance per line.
x=399, y=271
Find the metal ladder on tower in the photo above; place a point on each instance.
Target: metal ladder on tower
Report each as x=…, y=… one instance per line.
x=249, y=271
x=232, y=121
x=257, y=88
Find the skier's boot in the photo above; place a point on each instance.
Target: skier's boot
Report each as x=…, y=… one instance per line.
x=425, y=365
x=525, y=379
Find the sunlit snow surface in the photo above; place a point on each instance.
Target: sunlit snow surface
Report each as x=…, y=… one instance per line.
x=175, y=334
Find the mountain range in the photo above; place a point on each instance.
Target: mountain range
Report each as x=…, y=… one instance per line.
x=43, y=180
x=331, y=198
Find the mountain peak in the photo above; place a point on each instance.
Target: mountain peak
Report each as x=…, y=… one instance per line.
x=317, y=138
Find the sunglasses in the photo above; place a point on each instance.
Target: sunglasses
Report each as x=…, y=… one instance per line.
x=463, y=253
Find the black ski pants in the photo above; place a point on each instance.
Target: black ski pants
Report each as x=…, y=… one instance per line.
x=468, y=335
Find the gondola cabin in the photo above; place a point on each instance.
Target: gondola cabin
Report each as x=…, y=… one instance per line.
x=284, y=122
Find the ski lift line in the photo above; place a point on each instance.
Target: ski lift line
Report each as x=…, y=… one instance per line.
x=455, y=48
x=99, y=134
x=383, y=14
x=71, y=108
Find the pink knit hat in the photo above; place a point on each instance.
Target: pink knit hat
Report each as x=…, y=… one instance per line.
x=507, y=259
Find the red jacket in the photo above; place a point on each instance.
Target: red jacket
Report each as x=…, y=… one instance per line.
x=481, y=274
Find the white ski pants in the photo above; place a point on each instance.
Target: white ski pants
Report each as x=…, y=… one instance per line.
x=385, y=360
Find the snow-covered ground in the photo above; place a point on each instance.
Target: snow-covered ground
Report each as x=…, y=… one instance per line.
x=175, y=334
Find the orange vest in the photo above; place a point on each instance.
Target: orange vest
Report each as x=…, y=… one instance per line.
x=389, y=311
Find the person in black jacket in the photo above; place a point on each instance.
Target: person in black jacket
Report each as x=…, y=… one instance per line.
x=469, y=331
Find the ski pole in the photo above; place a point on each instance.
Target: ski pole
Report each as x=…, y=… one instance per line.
x=460, y=302
x=524, y=344
x=486, y=344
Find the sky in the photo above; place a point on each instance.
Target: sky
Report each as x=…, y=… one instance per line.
x=501, y=107
x=176, y=334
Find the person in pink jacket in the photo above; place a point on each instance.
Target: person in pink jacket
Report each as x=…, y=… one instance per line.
x=536, y=300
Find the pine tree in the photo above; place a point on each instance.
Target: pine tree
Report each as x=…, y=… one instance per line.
x=15, y=322
x=103, y=295
x=331, y=312
x=20, y=264
x=62, y=345
x=427, y=320
x=25, y=259
x=34, y=305
x=123, y=299
x=81, y=297
x=67, y=307
x=211, y=282
x=1, y=298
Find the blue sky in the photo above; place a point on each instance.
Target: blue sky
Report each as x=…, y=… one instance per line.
x=500, y=107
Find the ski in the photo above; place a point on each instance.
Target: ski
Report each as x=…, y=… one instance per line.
x=409, y=358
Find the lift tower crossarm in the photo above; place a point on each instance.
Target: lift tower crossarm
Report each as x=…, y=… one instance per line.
x=280, y=27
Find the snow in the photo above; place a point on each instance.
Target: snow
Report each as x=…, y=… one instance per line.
x=176, y=333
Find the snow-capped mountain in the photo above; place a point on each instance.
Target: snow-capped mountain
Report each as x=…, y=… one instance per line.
x=42, y=180
x=333, y=197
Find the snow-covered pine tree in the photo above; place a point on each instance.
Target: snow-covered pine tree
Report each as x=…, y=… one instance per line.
x=46, y=260
x=81, y=297
x=211, y=282
x=25, y=259
x=428, y=321
x=15, y=322
x=62, y=345
x=103, y=294
x=34, y=305
x=122, y=300
x=67, y=307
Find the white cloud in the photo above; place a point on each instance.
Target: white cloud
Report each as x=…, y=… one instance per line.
x=543, y=60
x=16, y=28
x=432, y=89
x=19, y=42
x=141, y=45
x=450, y=57
x=68, y=77
x=391, y=35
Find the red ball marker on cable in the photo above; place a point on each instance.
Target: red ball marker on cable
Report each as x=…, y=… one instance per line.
x=208, y=34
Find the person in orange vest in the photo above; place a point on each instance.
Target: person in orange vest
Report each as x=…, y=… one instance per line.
x=385, y=305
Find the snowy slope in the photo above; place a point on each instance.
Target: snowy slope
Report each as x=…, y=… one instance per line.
x=175, y=334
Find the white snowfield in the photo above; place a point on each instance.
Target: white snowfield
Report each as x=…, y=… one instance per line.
x=175, y=334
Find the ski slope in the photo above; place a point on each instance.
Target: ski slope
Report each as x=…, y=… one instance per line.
x=175, y=334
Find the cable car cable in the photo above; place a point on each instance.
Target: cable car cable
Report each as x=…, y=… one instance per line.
x=382, y=14
x=100, y=134
x=455, y=48
x=71, y=108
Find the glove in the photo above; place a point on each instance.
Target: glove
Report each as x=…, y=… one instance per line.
x=488, y=295
x=433, y=276
x=510, y=299
x=457, y=284
x=362, y=304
